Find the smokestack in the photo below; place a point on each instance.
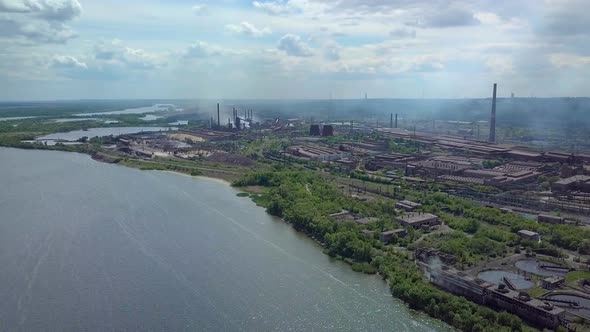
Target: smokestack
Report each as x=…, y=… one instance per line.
x=492, y=138
x=395, y=120
x=218, y=120
x=391, y=120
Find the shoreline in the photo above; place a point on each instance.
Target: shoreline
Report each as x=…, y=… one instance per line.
x=203, y=177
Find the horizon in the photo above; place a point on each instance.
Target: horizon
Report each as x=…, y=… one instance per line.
x=292, y=49
x=279, y=99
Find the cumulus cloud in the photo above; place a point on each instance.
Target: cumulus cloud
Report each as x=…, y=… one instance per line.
x=115, y=52
x=248, y=29
x=275, y=7
x=38, y=20
x=66, y=61
x=294, y=46
x=35, y=30
x=59, y=10
x=200, y=50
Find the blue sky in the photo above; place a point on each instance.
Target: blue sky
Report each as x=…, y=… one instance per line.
x=77, y=49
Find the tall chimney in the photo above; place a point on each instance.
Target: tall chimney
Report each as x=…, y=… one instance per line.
x=391, y=120
x=395, y=120
x=218, y=120
x=492, y=138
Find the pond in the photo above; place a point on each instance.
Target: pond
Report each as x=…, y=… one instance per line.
x=532, y=265
x=497, y=277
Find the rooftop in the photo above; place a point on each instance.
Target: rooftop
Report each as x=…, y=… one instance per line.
x=417, y=217
x=527, y=232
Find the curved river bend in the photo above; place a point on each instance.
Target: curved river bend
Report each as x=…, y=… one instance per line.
x=87, y=246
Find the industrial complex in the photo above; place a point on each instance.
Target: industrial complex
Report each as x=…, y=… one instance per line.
x=552, y=187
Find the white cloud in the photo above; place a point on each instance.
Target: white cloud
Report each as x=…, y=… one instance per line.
x=115, y=52
x=35, y=30
x=59, y=10
x=248, y=29
x=356, y=41
x=41, y=21
x=275, y=7
x=294, y=46
x=200, y=50
x=66, y=61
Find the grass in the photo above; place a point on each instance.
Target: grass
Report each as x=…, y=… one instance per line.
x=574, y=277
x=537, y=291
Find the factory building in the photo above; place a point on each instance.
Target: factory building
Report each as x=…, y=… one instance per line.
x=559, y=157
x=577, y=182
x=433, y=167
x=529, y=235
x=327, y=130
x=551, y=283
x=314, y=130
x=409, y=206
x=317, y=152
x=538, y=313
x=392, y=160
x=418, y=220
x=425, y=254
x=549, y=219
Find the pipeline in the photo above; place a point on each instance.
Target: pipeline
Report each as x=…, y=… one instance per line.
x=508, y=283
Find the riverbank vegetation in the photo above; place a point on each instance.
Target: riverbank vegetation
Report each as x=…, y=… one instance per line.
x=306, y=200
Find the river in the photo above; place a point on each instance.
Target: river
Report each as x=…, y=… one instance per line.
x=88, y=246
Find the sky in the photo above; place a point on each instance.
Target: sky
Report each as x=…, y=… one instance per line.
x=292, y=49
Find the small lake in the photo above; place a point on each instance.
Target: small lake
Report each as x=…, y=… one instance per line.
x=497, y=277
x=137, y=110
x=532, y=265
x=99, y=132
x=584, y=303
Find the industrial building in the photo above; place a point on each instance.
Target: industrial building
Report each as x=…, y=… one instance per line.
x=392, y=161
x=576, y=182
x=317, y=152
x=549, y=219
x=418, y=220
x=538, y=313
x=553, y=282
x=327, y=130
x=409, y=206
x=314, y=130
x=529, y=235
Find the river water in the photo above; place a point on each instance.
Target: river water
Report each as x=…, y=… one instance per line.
x=87, y=246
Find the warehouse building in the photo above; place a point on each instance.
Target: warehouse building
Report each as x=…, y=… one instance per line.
x=418, y=220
